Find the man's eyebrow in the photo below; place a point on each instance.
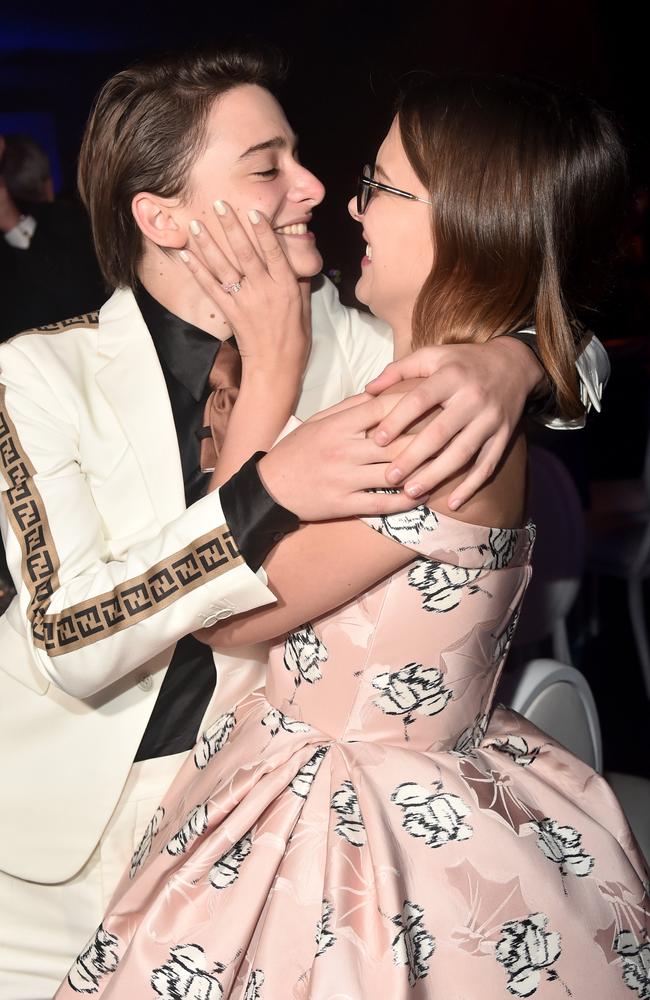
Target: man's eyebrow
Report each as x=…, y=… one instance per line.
x=277, y=142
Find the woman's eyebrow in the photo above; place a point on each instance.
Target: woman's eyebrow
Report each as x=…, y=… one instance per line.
x=382, y=173
x=277, y=142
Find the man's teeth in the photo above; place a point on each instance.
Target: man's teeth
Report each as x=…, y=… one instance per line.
x=299, y=229
x=368, y=251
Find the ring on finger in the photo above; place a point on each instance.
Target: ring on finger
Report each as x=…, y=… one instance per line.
x=233, y=287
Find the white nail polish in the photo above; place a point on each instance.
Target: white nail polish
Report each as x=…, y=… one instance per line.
x=195, y=227
x=254, y=216
x=219, y=207
x=184, y=256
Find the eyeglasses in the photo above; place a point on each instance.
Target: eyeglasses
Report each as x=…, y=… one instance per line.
x=367, y=184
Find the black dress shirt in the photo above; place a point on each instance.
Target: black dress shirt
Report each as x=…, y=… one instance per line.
x=186, y=354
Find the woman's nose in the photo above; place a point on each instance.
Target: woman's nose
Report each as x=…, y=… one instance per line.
x=352, y=209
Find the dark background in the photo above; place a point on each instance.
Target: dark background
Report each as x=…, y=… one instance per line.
x=346, y=64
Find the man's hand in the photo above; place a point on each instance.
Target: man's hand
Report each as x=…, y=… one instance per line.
x=324, y=468
x=481, y=390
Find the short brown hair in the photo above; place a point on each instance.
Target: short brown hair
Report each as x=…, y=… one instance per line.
x=527, y=185
x=146, y=130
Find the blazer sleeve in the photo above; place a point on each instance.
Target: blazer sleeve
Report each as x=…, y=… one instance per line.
x=90, y=620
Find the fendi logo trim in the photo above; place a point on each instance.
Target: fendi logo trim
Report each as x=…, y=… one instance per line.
x=88, y=320
x=127, y=604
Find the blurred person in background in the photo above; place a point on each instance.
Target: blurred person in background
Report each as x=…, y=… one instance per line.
x=48, y=266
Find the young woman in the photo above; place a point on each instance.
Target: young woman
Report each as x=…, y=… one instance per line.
x=367, y=825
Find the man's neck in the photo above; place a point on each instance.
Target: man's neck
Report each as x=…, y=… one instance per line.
x=170, y=282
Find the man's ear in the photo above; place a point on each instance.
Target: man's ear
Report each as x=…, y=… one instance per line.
x=156, y=218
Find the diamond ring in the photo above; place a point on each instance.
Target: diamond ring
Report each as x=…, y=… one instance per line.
x=232, y=288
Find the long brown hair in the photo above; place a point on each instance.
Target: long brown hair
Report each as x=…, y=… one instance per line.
x=146, y=130
x=526, y=184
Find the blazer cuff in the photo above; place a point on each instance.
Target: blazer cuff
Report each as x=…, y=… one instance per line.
x=257, y=523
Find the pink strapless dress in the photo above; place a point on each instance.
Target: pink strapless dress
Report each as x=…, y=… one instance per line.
x=367, y=827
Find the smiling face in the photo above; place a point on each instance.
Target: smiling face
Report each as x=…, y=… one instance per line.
x=250, y=162
x=399, y=240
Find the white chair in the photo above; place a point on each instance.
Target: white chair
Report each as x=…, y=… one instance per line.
x=557, y=698
x=558, y=556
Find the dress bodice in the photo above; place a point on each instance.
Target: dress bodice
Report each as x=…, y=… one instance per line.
x=415, y=660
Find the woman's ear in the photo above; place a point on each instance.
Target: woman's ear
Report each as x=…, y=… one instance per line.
x=156, y=219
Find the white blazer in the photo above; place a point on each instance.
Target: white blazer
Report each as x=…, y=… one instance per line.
x=111, y=568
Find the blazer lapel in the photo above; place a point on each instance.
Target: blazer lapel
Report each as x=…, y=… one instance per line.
x=134, y=386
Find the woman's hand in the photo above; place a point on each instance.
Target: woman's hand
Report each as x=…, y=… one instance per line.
x=325, y=468
x=481, y=390
x=266, y=305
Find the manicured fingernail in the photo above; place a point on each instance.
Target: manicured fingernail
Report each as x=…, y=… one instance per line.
x=184, y=256
x=415, y=490
x=220, y=208
x=254, y=216
x=381, y=437
x=195, y=227
x=395, y=475
x=453, y=504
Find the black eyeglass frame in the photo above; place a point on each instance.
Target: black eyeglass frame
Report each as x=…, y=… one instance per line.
x=367, y=183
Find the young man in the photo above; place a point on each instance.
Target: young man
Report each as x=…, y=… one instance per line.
x=117, y=552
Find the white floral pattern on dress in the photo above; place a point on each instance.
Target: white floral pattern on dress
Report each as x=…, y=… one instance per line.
x=515, y=747
x=254, y=985
x=504, y=641
x=195, y=824
x=414, y=689
x=98, y=958
x=303, y=652
x=301, y=784
x=143, y=849
x=413, y=946
x=441, y=584
x=526, y=949
x=324, y=935
x=213, y=739
x=225, y=871
x=471, y=737
x=437, y=817
x=563, y=846
x=275, y=720
x=350, y=824
x=503, y=544
x=407, y=527
x=635, y=957
x=185, y=976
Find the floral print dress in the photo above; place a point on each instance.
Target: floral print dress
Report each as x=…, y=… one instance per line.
x=369, y=827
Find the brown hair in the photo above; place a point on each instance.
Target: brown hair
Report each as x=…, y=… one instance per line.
x=146, y=130
x=526, y=184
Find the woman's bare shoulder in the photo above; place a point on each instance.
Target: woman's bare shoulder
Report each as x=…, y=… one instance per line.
x=500, y=503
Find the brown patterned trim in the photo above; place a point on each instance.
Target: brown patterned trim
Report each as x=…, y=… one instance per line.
x=88, y=320
x=127, y=604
